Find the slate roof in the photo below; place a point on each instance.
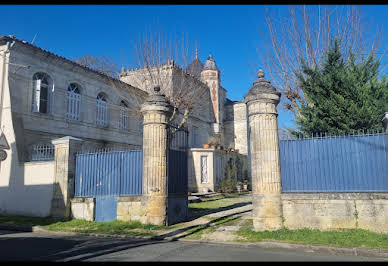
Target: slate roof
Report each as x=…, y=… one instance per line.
x=210, y=64
x=195, y=68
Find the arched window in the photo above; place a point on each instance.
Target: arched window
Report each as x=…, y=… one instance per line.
x=73, y=102
x=124, y=117
x=102, y=110
x=42, y=93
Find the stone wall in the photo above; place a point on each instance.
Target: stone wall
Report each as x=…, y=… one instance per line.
x=83, y=208
x=235, y=127
x=26, y=188
x=331, y=211
x=132, y=208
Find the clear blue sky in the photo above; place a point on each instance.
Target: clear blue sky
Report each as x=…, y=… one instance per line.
x=229, y=33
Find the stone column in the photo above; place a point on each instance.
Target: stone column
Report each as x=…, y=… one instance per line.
x=156, y=112
x=261, y=101
x=64, y=174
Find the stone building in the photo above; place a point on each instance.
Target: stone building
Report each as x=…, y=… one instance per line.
x=219, y=117
x=45, y=96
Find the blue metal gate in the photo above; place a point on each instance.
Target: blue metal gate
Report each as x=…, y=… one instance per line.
x=351, y=163
x=106, y=208
x=106, y=176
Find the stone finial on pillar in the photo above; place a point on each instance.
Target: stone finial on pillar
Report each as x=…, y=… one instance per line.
x=64, y=174
x=156, y=111
x=261, y=101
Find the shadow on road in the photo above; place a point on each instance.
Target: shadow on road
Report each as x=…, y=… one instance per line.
x=81, y=248
x=64, y=248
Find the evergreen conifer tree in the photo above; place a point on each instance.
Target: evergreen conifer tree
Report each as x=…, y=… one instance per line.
x=344, y=96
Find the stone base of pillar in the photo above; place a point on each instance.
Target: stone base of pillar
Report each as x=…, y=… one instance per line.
x=267, y=213
x=157, y=211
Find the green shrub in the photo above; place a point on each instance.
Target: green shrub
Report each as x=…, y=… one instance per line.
x=227, y=185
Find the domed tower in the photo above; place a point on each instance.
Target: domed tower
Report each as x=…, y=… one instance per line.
x=211, y=76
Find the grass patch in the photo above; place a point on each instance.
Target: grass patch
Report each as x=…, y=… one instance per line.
x=196, y=232
x=114, y=227
x=227, y=221
x=343, y=238
x=247, y=223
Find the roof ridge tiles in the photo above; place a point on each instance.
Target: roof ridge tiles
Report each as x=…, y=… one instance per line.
x=12, y=37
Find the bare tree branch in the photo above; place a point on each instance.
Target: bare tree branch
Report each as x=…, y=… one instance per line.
x=102, y=63
x=161, y=61
x=305, y=33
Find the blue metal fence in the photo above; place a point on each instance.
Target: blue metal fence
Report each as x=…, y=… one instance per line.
x=335, y=164
x=110, y=173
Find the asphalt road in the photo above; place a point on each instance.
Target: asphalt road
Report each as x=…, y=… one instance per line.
x=37, y=246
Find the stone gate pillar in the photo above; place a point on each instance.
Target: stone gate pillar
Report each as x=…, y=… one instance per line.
x=261, y=101
x=156, y=112
x=64, y=174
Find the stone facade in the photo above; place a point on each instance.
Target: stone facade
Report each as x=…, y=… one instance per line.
x=26, y=126
x=235, y=126
x=214, y=116
x=333, y=211
x=39, y=128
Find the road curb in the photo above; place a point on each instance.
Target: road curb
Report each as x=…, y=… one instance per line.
x=364, y=252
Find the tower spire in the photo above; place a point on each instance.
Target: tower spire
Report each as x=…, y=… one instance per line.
x=196, y=52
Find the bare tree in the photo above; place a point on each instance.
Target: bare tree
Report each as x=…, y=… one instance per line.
x=102, y=63
x=161, y=62
x=305, y=32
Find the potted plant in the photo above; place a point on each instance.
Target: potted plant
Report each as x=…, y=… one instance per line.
x=239, y=183
x=212, y=141
x=245, y=184
x=206, y=146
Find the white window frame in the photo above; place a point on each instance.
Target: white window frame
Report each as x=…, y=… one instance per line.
x=73, y=109
x=42, y=152
x=204, y=169
x=102, y=110
x=124, y=116
x=42, y=80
